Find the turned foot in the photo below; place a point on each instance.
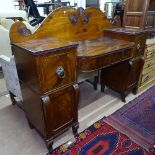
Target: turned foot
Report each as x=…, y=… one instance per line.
x=30, y=125
x=134, y=91
x=123, y=96
x=75, y=129
x=102, y=87
x=49, y=144
x=95, y=82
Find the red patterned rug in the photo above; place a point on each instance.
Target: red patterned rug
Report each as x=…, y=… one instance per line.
x=101, y=139
x=137, y=120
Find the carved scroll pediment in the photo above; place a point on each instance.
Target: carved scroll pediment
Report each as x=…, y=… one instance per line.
x=73, y=18
x=85, y=17
x=24, y=31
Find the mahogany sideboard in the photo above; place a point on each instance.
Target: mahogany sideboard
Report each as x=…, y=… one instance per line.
x=67, y=43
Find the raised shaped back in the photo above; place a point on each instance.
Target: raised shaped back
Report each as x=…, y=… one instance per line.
x=65, y=23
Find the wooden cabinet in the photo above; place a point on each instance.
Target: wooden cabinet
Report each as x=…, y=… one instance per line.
x=139, y=14
x=147, y=76
x=47, y=73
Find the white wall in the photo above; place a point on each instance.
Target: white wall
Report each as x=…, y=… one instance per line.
x=81, y=3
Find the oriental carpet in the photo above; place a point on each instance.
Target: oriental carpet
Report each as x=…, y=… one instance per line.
x=101, y=139
x=137, y=120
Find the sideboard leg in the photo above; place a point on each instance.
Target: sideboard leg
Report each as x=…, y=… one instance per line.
x=123, y=97
x=30, y=124
x=134, y=91
x=95, y=82
x=102, y=87
x=75, y=129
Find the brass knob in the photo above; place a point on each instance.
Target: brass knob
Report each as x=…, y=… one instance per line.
x=60, y=72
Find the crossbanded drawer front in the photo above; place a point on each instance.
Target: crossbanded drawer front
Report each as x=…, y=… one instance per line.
x=147, y=77
x=57, y=70
x=149, y=62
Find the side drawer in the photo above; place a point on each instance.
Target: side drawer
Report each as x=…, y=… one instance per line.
x=57, y=70
x=60, y=109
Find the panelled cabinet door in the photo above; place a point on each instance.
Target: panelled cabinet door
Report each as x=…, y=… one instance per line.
x=136, y=68
x=134, y=14
x=60, y=109
x=139, y=14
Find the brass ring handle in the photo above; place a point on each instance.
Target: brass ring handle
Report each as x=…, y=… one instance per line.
x=60, y=72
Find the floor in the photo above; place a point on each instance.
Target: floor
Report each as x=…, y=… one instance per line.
x=16, y=138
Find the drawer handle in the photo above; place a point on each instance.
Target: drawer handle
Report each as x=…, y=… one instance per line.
x=60, y=72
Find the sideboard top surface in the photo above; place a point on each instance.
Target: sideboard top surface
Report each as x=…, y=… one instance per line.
x=38, y=46
x=101, y=46
x=86, y=48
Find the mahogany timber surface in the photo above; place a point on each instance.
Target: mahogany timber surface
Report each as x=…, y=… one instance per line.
x=45, y=45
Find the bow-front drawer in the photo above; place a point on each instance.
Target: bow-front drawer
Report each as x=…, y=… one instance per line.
x=57, y=70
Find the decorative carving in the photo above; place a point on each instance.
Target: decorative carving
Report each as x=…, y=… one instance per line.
x=87, y=17
x=73, y=18
x=81, y=14
x=24, y=31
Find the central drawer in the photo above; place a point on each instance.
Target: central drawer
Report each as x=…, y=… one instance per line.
x=57, y=70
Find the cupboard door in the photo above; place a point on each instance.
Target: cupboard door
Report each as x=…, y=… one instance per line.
x=136, y=68
x=135, y=13
x=60, y=109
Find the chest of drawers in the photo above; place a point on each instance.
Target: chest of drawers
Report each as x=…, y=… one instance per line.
x=147, y=76
x=47, y=73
